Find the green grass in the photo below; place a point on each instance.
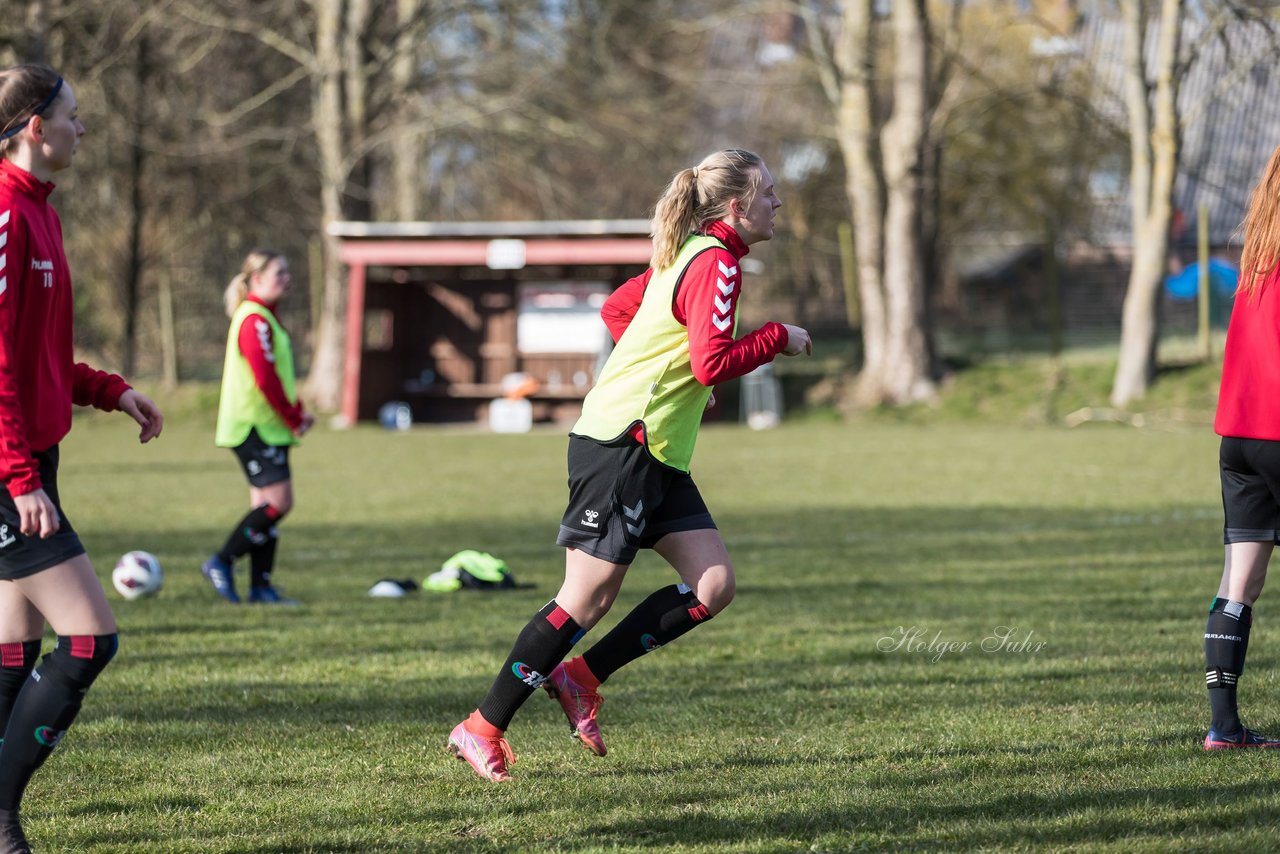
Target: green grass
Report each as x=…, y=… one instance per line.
x=1035, y=390
x=779, y=726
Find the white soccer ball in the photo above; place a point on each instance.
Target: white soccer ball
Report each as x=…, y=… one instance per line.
x=137, y=575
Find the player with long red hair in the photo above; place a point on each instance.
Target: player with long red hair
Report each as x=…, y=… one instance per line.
x=1248, y=420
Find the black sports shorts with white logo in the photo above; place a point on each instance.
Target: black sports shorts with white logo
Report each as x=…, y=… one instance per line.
x=622, y=500
x=1250, y=490
x=263, y=464
x=20, y=555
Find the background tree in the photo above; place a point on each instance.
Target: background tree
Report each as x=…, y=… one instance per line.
x=882, y=136
x=1021, y=136
x=1159, y=54
x=495, y=109
x=1153, y=138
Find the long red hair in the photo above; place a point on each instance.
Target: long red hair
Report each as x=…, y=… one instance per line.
x=1261, y=229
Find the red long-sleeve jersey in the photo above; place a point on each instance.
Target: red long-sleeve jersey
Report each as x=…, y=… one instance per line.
x=1249, y=398
x=255, y=341
x=39, y=376
x=706, y=304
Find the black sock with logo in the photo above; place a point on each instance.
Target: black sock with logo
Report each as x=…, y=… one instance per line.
x=249, y=532
x=661, y=618
x=541, y=645
x=46, y=706
x=1226, y=640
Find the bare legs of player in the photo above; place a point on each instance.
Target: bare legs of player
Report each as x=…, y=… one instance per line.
x=1244, y=571
x=699, y=557
x=68, y=595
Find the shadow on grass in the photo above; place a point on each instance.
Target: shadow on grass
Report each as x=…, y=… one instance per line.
x=817, y=587
x=1018, y=820
x=1027, y=552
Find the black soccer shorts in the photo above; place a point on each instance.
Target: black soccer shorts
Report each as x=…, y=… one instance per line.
x=622, y=500
x=263, y=464
x=1250, y=471
x=20, y=555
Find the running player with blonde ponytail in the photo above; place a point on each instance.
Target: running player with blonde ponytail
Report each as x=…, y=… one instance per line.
x=629, y=454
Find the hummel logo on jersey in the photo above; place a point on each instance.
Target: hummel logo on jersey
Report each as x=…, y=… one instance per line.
x=4, y=240
x=254, y=467
x=45, y=269
x=724, y=306
x=264, y=339
x=6, y=539
x=589, y=518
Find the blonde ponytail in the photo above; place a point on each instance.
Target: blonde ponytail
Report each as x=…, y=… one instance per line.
x=696, y=197
x=255, y=262
x=235, y=293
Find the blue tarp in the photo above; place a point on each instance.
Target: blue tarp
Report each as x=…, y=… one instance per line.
x=1222, y=280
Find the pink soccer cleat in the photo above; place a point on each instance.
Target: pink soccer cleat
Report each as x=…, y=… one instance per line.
x=579, y=702
x=1247, y=739
x=488, y=756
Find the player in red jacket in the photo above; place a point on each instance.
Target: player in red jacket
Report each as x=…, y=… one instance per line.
x=1248, y=420
x=45, y=574
x=629, y=454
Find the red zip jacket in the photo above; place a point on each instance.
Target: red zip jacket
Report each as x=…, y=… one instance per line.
x=256, y=345
x=1249, y=398
x=706, y=303
x=39, y=376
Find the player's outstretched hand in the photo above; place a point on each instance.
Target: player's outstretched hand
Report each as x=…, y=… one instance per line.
x=308, y=421
x=798, y=341
x=141, y=409
x=36, y=514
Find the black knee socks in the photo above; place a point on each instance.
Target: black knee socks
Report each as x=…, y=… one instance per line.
x=262, y=559
x=46, y=706
x=16, y=663
x=543, y=643
x=250, y=532
x=1226, y=640
x=664, y=616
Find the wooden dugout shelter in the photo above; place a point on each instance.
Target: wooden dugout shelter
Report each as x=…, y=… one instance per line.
x=439, y=313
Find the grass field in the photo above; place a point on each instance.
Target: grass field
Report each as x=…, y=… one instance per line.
x=833, y=707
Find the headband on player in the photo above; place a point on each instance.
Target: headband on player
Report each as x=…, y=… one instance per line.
x=38, y=111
